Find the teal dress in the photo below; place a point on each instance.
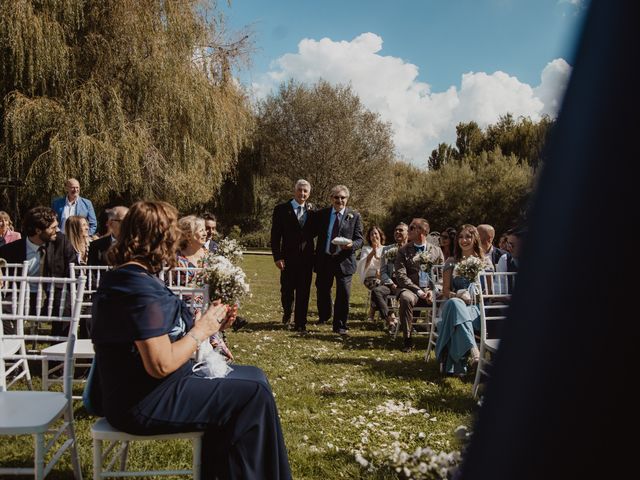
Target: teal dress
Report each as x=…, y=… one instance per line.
x=458, y=322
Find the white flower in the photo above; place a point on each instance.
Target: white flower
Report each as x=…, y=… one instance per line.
x=469, y=268
x=350, y=216
x=226, y=281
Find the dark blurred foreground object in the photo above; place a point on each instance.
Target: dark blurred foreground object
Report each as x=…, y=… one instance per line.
x=239, y=323
x=558, y=404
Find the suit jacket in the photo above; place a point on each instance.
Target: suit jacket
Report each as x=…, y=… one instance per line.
x=351, y=227
x=407, y=272
x=213, y=246
x=84, y=208
x=387, y=274
x=495, y=253
x=59, y=254
x=288, y=239
x=98, y=251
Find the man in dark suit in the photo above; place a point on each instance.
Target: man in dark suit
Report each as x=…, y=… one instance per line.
x=292, y=250
x=336, y=261
x=487, y=234
x=98, y=248
x=48, y=251
x=210, y=224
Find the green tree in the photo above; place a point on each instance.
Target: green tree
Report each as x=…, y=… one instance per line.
x=443, y=154
x=324, y=134
x=469, y=139
x=132, y=97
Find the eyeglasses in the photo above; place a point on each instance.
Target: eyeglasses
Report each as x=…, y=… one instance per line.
x=399, y=229
x=338, y=197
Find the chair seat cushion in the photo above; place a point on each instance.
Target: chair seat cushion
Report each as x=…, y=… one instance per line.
x=29, y=412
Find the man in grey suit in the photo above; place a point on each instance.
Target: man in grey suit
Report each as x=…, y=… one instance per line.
x=336, y=261
x=415, y=287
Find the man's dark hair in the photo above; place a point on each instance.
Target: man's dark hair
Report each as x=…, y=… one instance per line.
x=38, y=218
x=209, y=216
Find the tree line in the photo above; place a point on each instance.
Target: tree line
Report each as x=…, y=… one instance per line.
x=136, y=100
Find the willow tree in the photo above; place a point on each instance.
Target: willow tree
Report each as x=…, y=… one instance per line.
x=132, y=97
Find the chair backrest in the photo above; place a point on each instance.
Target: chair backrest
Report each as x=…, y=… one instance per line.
x=180, y=276
x=196, y=298
x=43, y=300
x=437, y=275
x=9, y=289
x=494, y=298
x=92, y=274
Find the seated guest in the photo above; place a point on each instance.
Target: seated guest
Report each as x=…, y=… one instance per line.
x=415, y=287
x=7, y=234
x=503, y=244
x=76, y=230
x=210, y=224
x=509, y=262
x=459, y=319
x=447, y=242
x=487, y=234
x=191, y=248
x=387, y=277
x=144, y=376
x=368, y=266
x=98, y=248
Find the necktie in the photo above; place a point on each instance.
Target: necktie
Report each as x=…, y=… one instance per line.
x=42, y=253
x=334, y=233
x=300, y=215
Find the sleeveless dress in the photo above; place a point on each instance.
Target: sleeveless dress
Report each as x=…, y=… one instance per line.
x=238, y=414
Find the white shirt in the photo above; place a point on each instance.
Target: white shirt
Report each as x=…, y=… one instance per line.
x=33, y=258
x=68, y=210
x=295, y=206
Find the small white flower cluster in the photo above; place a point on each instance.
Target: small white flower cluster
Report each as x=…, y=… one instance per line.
x=227, y=282
x=230, y=249
x=469, y=268
x=425, y=259
x=398, y=409
x=390, y=254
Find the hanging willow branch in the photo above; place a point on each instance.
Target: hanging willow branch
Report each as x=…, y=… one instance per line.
x=120, y=94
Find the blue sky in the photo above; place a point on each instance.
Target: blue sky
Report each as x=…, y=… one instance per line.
x=423, y=65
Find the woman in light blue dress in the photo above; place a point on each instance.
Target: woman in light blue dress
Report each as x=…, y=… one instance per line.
x=460, y=317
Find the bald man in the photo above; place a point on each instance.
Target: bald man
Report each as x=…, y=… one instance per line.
x=487, y=234
x=73, y=204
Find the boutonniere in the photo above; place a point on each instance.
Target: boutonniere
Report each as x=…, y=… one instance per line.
x=308, y=206
x=349, y=216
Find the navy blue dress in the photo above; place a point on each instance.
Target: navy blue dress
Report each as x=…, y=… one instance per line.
x=238, y=414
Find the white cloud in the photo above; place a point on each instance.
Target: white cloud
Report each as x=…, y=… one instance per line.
x=419, y=117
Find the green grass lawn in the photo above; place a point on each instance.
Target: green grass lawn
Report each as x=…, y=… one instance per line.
x=337, y=397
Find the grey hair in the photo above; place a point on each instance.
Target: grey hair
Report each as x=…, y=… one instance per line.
x=113, y=211
x=302, y=182
x=340, y=188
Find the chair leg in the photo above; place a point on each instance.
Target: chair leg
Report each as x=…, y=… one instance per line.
x=197, y=458
x=75, y=457
x=123, y=455
x=38, y=467
x=97, y=459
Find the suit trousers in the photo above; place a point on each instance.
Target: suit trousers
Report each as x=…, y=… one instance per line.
x=379, y=297
x=327, y=270
x=408, y=300
x=295, y=285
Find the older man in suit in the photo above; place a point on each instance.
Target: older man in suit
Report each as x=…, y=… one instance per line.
x=292, y=249
x=415, y=287
x=98, y=248
x=47, y=250
x=336, y=261
x=487, y=234
x=73, y=204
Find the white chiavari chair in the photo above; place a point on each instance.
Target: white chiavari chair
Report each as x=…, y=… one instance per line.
x=38, y=413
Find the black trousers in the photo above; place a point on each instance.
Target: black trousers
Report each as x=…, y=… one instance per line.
x=326, y=271
x=295, y=285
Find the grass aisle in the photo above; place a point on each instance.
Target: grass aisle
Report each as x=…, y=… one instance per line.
x=335, y=396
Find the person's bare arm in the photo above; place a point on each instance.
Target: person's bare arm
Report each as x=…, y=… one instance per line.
x=160, y=357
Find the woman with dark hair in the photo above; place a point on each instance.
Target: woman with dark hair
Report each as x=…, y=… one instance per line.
x=144, y=339
x=368, y=267
x=447, y=242
x=459, y=317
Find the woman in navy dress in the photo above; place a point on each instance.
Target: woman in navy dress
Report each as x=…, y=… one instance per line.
x=144, y=339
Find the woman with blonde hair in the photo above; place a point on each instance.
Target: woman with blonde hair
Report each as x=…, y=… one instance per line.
x=194, y=235
x=144, y=338
x=76, y=229
x=7, y=234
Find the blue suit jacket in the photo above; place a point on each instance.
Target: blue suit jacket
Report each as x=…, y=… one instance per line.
x=351, y=227
x=84, y=208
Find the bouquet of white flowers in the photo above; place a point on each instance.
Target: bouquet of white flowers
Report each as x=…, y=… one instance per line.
x=469, y=268
x=230, y=249
x=425, y=259
x=390, y=254
x=227, y=282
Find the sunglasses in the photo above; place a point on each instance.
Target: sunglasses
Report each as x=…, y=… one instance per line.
x=399, y=229
x=338, y=197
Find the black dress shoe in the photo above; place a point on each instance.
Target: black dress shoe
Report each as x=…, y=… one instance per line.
x=239, y=323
